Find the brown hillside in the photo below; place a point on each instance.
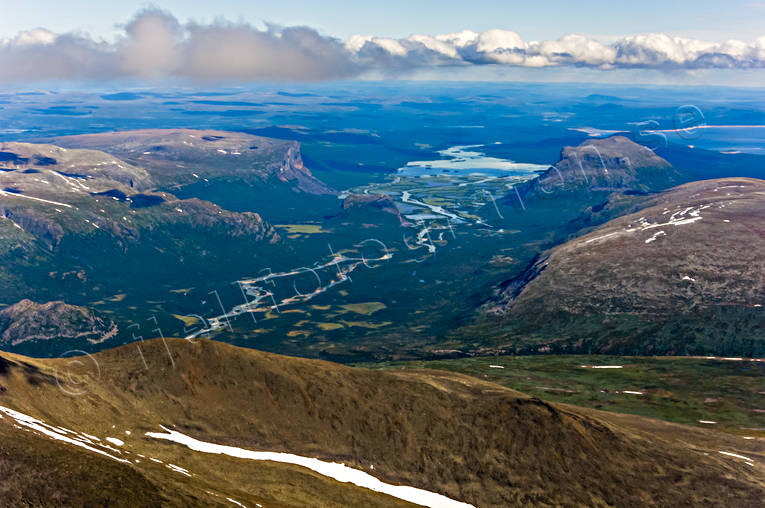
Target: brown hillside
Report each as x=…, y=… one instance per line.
x=470, y=440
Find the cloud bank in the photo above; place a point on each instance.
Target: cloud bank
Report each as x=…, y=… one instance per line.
x=155, y=45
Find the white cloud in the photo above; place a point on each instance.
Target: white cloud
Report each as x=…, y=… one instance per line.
x=156, y=45
x=459, y=39
x=498, y=41
x=151, y=46
x=437, y=45
x=652, y=51
x=576, y=49
x=31, y=37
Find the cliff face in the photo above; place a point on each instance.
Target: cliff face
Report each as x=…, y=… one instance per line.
x=29, y=321
x=294, y=171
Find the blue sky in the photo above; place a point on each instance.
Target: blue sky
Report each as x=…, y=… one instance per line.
x=701, y=42
x=709, y=20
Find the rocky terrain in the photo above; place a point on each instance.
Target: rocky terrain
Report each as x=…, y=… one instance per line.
x=180, y=157
x=429, y=430
x=684, y=275
x=94, y=165
x=30, y=321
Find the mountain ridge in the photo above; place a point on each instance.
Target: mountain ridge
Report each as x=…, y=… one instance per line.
x=428, y=429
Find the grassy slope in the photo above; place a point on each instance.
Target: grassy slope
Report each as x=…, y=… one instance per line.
x=677, y=389
x=37, y=471
x=461, y=436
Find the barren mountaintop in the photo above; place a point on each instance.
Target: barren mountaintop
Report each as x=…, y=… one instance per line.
x=694, y=251
x=184, y=156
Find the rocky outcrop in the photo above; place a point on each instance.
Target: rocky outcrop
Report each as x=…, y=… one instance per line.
x=293, y=170
x=29, y=321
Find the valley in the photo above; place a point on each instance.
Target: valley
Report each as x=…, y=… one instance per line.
x=427, y=294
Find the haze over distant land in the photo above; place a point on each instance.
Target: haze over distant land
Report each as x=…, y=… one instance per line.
x=156, y=45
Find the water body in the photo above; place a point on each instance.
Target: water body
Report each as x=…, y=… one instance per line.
x=467, y=160
x=263, y=298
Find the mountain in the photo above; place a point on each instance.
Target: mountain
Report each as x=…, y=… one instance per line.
x=590, y=184
x=29, y=321
x=83, y=226
x=604, y=165
x=575, y=191
x=180, y=422
x=94, y=165
x=237, y=171
x=203, y=163
x=684, y=275
x=373, y=209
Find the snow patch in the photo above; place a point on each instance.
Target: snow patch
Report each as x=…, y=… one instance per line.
x=736, y=455
x=339, y=472
x=32, y=423
x=655, y=236
x=179, y=469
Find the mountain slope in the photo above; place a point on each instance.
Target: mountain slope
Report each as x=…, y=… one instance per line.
x=431, y=430
x=590, y=184
x=92, y=165
x=82, y=227
x=179, y=157
x=684, y=275
x=38, y=471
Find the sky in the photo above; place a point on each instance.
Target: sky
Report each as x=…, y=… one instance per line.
x=232, y=40
x=712, y=20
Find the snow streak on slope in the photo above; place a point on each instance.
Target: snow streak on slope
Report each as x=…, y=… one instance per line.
x=339, y=472
x=57, y=433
